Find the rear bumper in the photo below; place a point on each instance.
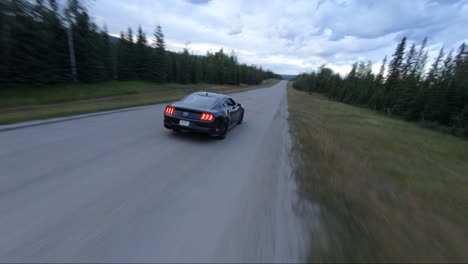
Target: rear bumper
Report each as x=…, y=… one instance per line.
x=210, y=128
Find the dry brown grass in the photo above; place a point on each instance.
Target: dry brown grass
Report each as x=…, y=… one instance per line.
x=390, y=191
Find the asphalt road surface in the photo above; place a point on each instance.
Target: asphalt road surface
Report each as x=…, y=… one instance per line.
x=121, y=188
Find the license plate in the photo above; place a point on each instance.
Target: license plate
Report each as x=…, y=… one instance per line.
x=184, y=123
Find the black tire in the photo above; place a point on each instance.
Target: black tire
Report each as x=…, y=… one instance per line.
x=241, y=119
x=224, y=131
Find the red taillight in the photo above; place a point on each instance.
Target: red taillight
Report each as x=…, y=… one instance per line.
x=206, y=117
x=169, y=110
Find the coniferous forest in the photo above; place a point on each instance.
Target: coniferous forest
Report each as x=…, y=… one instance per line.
x=42, y=43
x=435, y=94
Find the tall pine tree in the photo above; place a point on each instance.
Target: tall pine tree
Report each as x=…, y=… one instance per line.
x=395, y=70
x=141, y=56
x=159, y=66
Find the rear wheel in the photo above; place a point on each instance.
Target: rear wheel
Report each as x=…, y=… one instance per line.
x=241, y=119
x=223, y=133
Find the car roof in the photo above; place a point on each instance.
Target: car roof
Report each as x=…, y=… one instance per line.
x=219, y=96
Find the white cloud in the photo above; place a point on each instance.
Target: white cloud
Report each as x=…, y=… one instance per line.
x=294, y=36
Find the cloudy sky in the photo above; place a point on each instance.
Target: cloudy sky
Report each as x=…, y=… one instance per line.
x=291, y=37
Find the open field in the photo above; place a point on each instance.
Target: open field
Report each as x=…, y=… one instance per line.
x=389, y=191
x=25, y=104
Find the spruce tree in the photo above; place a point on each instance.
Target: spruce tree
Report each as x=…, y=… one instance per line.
x=106, y=53
x=170, y=67
x=141, y=56
x=460, y=80
x=418, y=94
x=434, y=99
x=405, y=89
x=395, y=70
x=376, y=99
x=159, y=66
x=447, y=115
x=410, y=61
x=421, y=60
x=122, y=68
x=130, y=55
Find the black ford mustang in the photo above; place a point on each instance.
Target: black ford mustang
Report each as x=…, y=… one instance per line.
x=209, y=113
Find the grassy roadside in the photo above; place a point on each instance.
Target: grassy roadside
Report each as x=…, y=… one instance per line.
x=26, y=104
x=390, y=191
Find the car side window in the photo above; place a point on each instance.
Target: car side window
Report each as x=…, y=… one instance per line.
x=230, y=102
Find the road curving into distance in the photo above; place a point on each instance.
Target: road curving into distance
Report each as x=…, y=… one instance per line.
x=121, y=188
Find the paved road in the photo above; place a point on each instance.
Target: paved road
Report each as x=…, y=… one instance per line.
x=120, y=187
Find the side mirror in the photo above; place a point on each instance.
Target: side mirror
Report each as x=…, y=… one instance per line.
x=239, y=104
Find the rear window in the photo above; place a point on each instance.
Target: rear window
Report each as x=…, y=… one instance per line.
x=201, y=101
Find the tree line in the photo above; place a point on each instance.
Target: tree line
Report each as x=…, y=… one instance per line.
x=43, y=44
x=436, y=96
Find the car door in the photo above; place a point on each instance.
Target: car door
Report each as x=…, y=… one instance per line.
x=226, y=108
x=234, y=110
